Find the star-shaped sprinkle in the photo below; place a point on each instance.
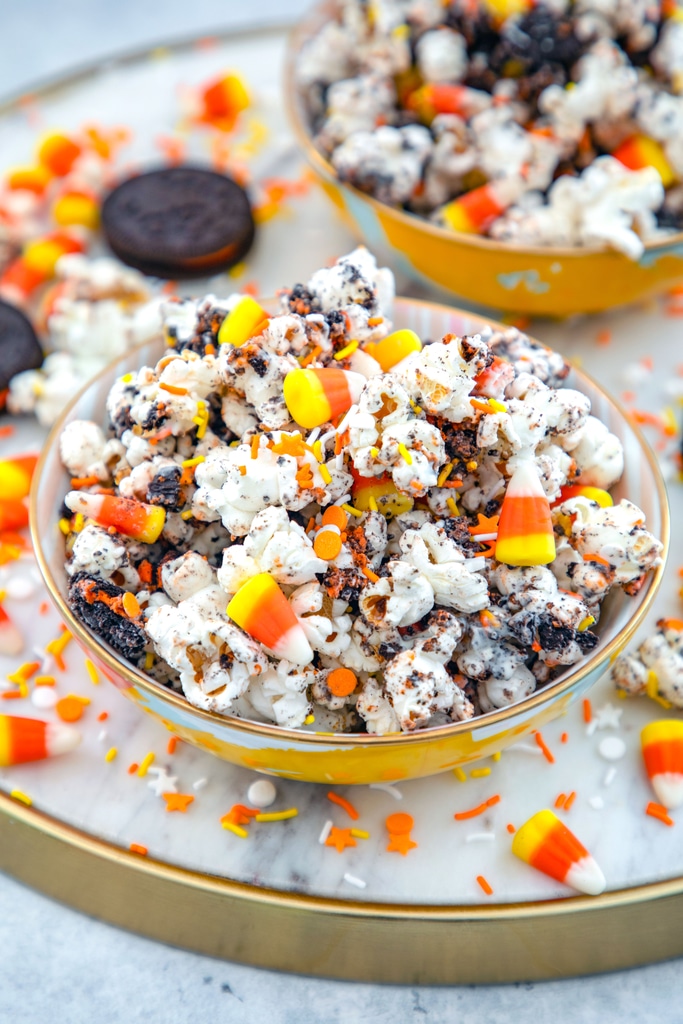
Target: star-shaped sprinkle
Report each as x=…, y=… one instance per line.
x=178, y=801
x=240, y=815
x=607, y=717
x=400, y=843
x=485, y=524
x=162, y=781
x=340, y=838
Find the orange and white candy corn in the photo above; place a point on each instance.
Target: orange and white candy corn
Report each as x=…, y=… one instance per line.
x=29, y=739
x=603, y=498
x=11, y=640
x=525, y=528
x=245, y=320
x=392, y=349
x=29, y=179
x=474, y=212
x=378, y=493
x=662, y=744
x=641, y=151
x=548, y=845
x=76, y=208
x=58, y=153
x=444, y=98
x=222, y=101
x=261, y=609
x=131, y=518
x=314, y=397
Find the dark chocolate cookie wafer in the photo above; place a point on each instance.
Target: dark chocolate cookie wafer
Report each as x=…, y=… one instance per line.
x=179, y=222
x=19, y=346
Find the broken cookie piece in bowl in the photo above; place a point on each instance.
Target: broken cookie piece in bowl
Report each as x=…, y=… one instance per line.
x=342, y=536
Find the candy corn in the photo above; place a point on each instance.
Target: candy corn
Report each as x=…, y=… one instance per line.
x=500, y=10
x=29, y=179
x=603, y=498
x=29, y=739
x=42, y=255
x=15, y=477
x=314, y=397
x=380, y=490
x=11, y=640
x=546, y=844
x=473, y=212
x=58, y=154
x=525, y=528
x=13, y=515
x=222, y=101
x=261, y=609
x=132, y=518
x=662, y=744
x=76, y=208
x=395, y=347
x=245, y=320
x=444, y=98
x=641, y=151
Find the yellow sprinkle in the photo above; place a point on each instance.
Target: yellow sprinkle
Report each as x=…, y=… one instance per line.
x=235, y=829
x=460, y=775
x=318, y=450
x=498, y=406
x=127, y=378
x=352, y=511
x=57, y=645
x=403, y=451
x=452, y=506
x=187, y=514
x=237, y=270
x=417, y=409
x=111, y=754
x=652, y=690
x=17, y=794
x=23, y=688
x=444, y=474
x=79, y=522
x=309, y=719
x=622, y=694
x=401, y=31
x=496, y=756
x=149, y=660
x=372, y=504
x=192, y=462
x=585, y=623
x=144, y=765
x=82, y=700
x=44, y=681
x=374, y=452
x=479, y=773
x=325, y=473
x=347, y=351
x=471, y=465
x=64, y=526
x=277, y=815
x=171, y=342
x=3, y=595
x=92, y=672
x=358, y=833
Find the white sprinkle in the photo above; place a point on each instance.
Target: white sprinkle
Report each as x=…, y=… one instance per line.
x=46, y=661
x=326, y=437
x=596, y=802
x=474, y=564
x=261, y=793
x=327, y=828
x=342, y=426
x=343, y=500
x=199, y=784
x=487, y=536
x=385, y=787
x=591, y=727
x=352, y=880
x=526, y=748
x=20, y=588
x=44, y=697
x=478, y=837
x=339, y=461
x=610, y=776
x=313, y=436
x=612, y=748
x=102, y=734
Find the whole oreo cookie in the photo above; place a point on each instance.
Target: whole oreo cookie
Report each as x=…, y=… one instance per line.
x=19, y=346
x=179, y=222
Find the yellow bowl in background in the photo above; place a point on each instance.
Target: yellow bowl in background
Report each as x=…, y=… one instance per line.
x=541, y=281
x=355, y=758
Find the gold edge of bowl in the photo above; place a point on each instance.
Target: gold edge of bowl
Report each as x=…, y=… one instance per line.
x=301, y=33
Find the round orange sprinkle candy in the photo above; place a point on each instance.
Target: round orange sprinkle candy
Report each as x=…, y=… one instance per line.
x=130, y=605
x=70, y=709
x=399, y=824
x=341, y=682
x=335, y=516
x=327, y=544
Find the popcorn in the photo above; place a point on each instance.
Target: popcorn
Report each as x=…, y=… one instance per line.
x=656, y=667
x=351, y=561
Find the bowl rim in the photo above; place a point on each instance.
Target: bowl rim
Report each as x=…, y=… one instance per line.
x=293, y=102
x=135, y=678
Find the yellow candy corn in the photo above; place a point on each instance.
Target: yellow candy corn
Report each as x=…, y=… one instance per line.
x=395, y=347
x=662, y=744
x=314, y=397
x=261, y=609
x=547, y=844
x=525, y=528
x=244, y=321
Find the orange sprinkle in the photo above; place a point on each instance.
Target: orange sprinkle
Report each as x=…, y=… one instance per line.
x=400, y=842
x=647, y=362
x=172, y=744
x=475, y=811
x=485, y=885
x=340, y=838
x=103, y=716
x=570, y=800
x=243, y=470
x=481, y=406
x=78, y=482
x=560, y=800
x=312, y=355
x=546, y=753
x=255, y=441
x=596, y=558
x=399, y=824
x=145, y=571
x=341, y=682
x=132, y=768
x=130, y=605
x=375, y=321
x=587, y=711
x=564, y=737
x=70, y=708
x=511, y=828
x=178, y=801
x=335, y=516
x=209, y=350
x=348, y=807
x=659, y=812
x=11, y=694
x=6, y=431
x=172, y=389
x=604, y=337
x=44, y=608
x=628, y=396
x=367, y=571
x=138, y=848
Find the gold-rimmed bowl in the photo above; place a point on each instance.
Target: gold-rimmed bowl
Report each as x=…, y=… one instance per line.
x=537, y=280
x=352, y=758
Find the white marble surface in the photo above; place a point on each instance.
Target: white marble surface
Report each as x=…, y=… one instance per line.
x=61, y=966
